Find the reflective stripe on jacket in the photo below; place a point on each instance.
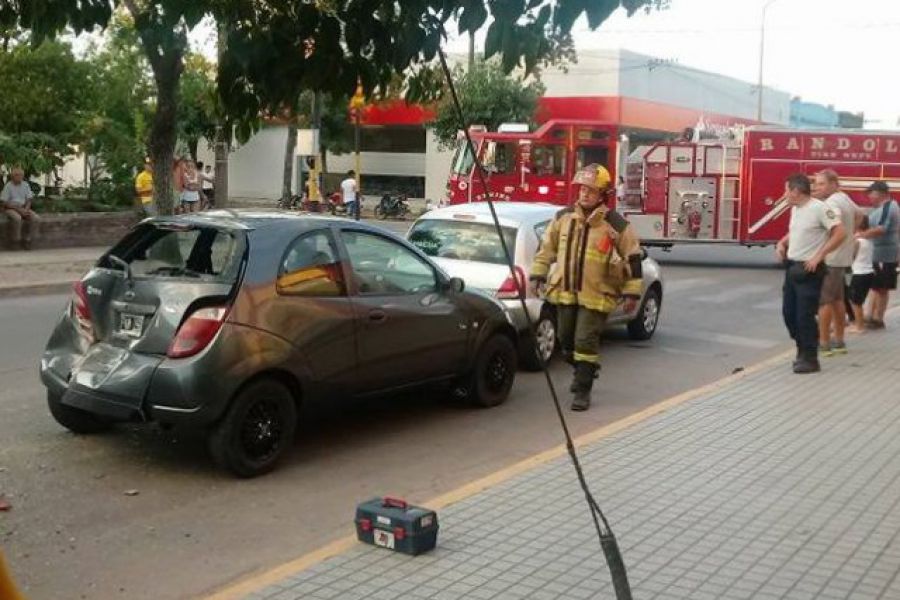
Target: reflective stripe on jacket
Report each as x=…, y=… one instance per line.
x=592, y=259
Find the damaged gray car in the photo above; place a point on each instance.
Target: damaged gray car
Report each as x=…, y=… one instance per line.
x=228, y=321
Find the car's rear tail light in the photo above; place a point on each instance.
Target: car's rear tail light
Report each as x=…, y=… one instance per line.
x=81, y=310
x=197, y=331
x=509, y=289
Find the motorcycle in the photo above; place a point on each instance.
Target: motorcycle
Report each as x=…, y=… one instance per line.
x=392, y=206
x=336, y=205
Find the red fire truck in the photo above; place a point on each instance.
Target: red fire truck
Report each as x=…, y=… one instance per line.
x=531, y=166
x=725, y=185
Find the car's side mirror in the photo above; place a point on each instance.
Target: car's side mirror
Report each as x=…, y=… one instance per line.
x=456, y=285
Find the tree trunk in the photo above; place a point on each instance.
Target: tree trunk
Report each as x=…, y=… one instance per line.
x=290, y=148
x=223, y=136
x=192, y=148
x=162, y=140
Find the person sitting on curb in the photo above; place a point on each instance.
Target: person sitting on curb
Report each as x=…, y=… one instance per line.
x=16, y=198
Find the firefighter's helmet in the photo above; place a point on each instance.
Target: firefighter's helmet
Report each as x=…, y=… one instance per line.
x=593, y=175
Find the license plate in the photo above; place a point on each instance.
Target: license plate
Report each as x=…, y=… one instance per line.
x=385, y=539
x=131, y=325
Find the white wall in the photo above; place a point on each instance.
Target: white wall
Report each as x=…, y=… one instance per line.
x=437, y=168
x=595, y=74
x=379, y=163
x=256, y=169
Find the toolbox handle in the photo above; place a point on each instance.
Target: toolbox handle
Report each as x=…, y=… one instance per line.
x=394, y=502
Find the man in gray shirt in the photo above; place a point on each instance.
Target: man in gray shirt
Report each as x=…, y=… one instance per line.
x=884, y=222
x=16, y=199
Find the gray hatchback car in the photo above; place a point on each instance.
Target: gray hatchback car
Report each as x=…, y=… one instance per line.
x=228, y=321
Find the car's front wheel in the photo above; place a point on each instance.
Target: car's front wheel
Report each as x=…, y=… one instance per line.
x=75, y=419
x=256, y=431
x=541, y=348
x=644, y=323
x=494, y=371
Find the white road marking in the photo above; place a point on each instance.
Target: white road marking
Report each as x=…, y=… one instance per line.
x=691, y=283
x=720, y=338
x=734, y=293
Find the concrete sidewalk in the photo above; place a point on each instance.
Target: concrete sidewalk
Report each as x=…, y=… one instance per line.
x=765, y=485
x=44, y=271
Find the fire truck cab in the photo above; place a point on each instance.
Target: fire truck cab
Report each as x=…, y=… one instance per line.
x=727, y=185
x=530, y=166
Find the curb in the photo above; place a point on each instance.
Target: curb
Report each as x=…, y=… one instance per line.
x=263, y=578
x=36, y=289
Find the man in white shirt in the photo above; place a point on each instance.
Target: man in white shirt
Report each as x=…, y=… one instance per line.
x=349, y=194
x=815, y=231
x=827, y=187
x=15, y=200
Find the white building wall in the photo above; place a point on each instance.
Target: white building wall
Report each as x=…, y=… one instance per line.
x=256, y=169
x=379, y=163
x=595, y=74
x=437, y=168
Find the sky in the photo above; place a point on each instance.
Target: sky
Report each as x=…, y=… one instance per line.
x=840, y=52
x=844, y=53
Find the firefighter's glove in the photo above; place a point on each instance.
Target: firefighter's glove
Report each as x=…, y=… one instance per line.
x=536, y=284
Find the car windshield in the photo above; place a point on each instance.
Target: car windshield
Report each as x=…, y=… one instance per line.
x=167, y=251
x=462, y=240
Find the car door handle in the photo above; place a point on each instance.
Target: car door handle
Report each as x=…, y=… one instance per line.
x=377, y=316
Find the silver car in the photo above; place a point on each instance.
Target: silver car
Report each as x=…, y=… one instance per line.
x=462, y=240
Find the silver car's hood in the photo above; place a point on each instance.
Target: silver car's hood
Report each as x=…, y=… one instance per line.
x=483, y=276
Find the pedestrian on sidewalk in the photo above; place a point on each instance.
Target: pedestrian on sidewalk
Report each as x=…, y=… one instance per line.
x=863, y=274
x=598, y=256
x=827, y=187
x=143, y=186
x=207, y=185
x=16, y=199
x=815, y=230
x=350, y=195
x=884, y=221
x=190, y=192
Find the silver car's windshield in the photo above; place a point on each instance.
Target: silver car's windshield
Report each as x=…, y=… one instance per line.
x=462, y=240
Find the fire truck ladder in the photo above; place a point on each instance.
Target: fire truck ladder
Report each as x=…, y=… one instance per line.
x=730, y=184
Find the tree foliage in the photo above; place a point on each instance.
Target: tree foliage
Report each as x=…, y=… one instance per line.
x=275, y=50
x=199, y=110
x=488, y=97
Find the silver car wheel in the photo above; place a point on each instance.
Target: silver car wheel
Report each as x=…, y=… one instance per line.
x=651, y=313
x=546, y=338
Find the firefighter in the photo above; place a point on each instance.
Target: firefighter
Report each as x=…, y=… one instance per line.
x=598, y=261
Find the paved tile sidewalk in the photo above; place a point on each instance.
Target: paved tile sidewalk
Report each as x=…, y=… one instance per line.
x=773, y=486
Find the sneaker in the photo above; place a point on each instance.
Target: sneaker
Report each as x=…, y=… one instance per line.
x=838, y=347
x=824, y=350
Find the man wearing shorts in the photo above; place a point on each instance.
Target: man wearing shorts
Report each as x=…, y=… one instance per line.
x=884, y=221
x=827, y=187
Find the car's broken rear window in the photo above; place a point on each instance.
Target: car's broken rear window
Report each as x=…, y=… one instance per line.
x=195, y=253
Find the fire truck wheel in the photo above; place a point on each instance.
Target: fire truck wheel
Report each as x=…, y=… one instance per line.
x=539, y=351
x=642, y=326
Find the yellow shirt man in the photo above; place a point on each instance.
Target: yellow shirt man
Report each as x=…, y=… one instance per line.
x=143, y=185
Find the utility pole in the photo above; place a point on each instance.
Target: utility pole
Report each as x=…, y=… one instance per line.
x=357, y=103
x=762, y=49
x=471, y=50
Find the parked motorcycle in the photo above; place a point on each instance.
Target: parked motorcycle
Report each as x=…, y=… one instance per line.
x=336, y=205
x=392, y=206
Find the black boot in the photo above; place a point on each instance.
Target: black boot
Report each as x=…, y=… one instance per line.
x=808, y=362
x=573, y=387
x=585, y=373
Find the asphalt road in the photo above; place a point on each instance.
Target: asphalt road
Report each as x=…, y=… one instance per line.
x=74, y=533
